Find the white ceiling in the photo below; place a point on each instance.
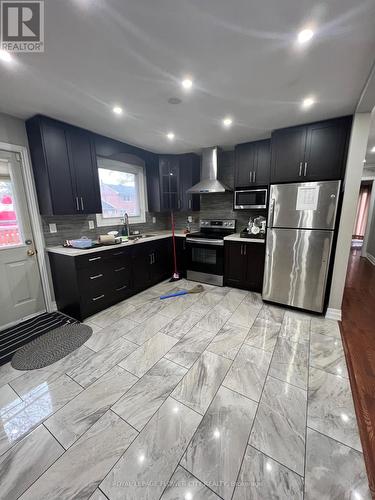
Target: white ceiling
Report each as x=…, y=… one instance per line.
x=241, y=54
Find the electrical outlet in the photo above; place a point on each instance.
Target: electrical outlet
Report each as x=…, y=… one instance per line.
x=91, y=224
x=154, y=220
x=52, y=228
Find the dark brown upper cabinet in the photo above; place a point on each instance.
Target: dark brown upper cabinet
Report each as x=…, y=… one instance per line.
x=65, y=170
x=177, y=173
x=189, y=175
x=252, y=164
x=310, y=152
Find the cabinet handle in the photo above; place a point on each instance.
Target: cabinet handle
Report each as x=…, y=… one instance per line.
x=244, y=249
x=94, y=258
x=118, y=253
x=254, y=176
x=150, y=258
x=98, y=298
x=96, y=276
x=121, y=288
x=77, y=203
x=241, y=249
x=82, y=204
x=300, y=168
x=153, y=258
x=189, y=205
x=119, y=269
x=179, y=203
x=305, y=171
x=251, y=176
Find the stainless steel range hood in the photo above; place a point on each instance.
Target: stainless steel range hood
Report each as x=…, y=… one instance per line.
x=209, y=182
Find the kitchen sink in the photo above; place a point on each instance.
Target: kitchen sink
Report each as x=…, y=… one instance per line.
x=140, y=236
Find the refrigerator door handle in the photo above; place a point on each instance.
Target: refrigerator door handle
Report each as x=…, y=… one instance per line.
x=271, y=213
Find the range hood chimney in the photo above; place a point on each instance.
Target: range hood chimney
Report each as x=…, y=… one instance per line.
x=209, y=182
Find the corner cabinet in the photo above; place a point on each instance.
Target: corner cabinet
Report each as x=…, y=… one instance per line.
x=177, y=173
x=252, y=164
x=310, y=152
x=244, y=265
x=65, y=170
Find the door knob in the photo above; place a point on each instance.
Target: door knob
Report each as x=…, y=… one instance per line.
x=30, y=253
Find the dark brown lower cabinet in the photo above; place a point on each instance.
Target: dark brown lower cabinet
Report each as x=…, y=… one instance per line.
x=89, y=283
x=244, y=265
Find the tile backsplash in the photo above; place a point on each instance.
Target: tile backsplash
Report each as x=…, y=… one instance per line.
x=74, y=226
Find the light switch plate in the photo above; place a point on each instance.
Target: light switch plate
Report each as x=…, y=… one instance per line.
x=52, y=228
x=91, y=224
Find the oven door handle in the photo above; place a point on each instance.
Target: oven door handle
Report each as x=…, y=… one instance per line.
x=203, y=241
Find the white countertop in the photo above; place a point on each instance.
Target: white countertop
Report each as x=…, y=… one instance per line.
x=74, y=252
x=237, y=237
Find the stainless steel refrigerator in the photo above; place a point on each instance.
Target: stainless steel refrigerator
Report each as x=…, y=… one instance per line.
x=300, y=232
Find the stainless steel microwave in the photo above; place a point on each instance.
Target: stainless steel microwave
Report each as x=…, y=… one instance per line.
x=245, y=199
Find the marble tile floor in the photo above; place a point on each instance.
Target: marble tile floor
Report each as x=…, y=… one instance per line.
x=216, y=396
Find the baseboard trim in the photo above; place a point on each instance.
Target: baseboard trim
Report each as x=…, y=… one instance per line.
x=371, y=258
x=53, y=306
x=334, y=314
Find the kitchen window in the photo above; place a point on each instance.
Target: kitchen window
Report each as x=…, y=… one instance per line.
x=122, y=190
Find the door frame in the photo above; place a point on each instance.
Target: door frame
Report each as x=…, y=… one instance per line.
x=34, y=215
x=369, y=217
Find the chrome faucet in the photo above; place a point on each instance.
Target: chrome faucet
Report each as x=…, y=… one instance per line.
x=126, y=223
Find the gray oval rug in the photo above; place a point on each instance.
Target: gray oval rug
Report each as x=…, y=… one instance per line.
x=51, y=346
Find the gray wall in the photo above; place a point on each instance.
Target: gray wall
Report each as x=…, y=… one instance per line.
x=353, y=174
x=12, y=130
x=371, y=237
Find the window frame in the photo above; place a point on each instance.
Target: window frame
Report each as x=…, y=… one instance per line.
x=132, y=168
x=12, y=176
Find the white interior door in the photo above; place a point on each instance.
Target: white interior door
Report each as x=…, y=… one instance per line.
x=21, y=293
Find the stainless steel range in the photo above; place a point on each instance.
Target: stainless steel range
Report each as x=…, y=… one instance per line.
x=205, y=251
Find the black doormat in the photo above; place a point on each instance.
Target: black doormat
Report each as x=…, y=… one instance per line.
x=51, y=346
x=17, y=336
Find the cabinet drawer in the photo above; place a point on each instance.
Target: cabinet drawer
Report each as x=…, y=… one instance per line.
x=91, y=260
x=104, y=276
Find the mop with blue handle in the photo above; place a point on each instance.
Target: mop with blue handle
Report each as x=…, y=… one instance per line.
x=196, y=289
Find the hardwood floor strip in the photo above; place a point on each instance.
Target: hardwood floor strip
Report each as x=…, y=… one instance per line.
x=358, y=335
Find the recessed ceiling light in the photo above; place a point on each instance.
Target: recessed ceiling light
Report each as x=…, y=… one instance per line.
x=227, y=122
x=117, y=110
x=170, y=136
x=5, y=56
x=187, y=83
x=373, y=150
x=308, y=102
x=305, y=36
